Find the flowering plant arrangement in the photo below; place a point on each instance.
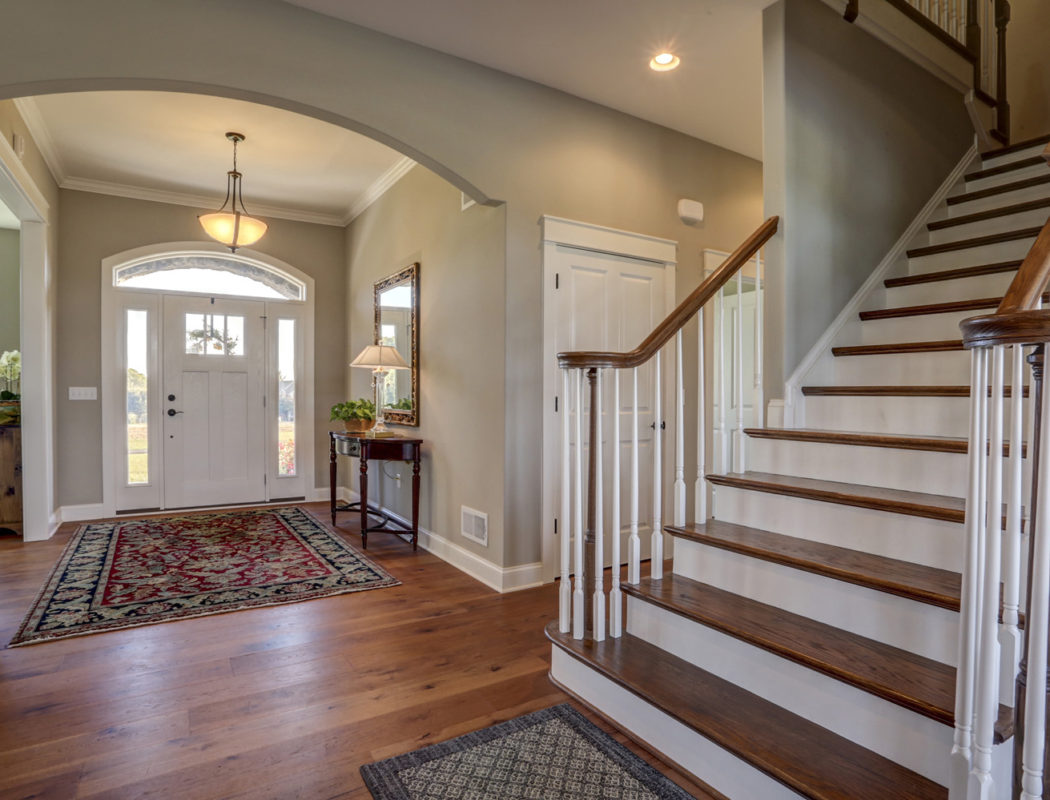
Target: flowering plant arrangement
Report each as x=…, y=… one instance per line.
x=10, y=375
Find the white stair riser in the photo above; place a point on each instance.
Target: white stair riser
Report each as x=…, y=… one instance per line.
x=971, y=256
x=917, y=294
x=894, y=732
x=936, y=473
x=922, y=416
x=1010, y=198
x=1011, y=222
x=1033, y=171
x=719, y=768
x=1010, y=158
x=908, y=369
x=920, y=328
x=932, y=542
x=917, y=627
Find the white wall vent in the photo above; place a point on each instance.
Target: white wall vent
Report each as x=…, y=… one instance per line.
x=474, y=525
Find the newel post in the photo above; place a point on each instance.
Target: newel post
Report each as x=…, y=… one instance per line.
x=1002, y=115
x=1036, y=360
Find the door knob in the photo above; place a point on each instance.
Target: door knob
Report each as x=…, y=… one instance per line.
x=172, y=412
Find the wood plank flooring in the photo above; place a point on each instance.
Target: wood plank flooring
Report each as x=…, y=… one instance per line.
x=282, y=702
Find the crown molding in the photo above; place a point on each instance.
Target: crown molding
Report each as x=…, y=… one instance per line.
x=379, y=187
x=38, y=130
x=195, y=200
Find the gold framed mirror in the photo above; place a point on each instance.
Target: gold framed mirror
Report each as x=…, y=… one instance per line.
x=397, y=324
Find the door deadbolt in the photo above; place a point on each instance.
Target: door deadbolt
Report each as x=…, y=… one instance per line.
x=171, y=397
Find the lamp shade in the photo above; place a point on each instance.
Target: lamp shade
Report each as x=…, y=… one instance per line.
x=379, y=356
x=233, y=229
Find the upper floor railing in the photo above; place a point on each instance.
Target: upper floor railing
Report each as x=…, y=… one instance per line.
x=997, y=663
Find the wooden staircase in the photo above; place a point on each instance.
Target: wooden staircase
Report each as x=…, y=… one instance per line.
x=805, y=642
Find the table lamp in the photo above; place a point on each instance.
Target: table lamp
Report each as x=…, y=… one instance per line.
x=379, y=358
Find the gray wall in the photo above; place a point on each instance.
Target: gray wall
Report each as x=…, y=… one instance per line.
x=10, y=291
x=1028, y=69
x=856, y=140
x=461, y=255
x=93, y=227
x=539, y=150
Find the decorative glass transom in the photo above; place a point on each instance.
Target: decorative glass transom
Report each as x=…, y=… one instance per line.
x=209, y=273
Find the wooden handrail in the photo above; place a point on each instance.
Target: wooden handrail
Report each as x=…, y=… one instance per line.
x=677, y=319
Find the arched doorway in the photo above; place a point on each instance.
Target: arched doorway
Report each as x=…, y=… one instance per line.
x=207, y=369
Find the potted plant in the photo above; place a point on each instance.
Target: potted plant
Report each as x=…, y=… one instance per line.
x=10, y=381
x=358, y=415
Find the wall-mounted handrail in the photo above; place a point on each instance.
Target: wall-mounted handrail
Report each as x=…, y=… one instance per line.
x=677, y=319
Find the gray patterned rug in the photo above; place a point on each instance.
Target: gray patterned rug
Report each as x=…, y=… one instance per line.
x=552, y=754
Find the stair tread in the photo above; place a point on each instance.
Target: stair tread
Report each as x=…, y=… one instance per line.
x=904, y=678
x=974, y=241
x=770, y=738
x=938, y=587
x=898, y=501
x=899, y=441
x=992, y=191
x=953, y=274
x=1016, y=146
x=896, y=391
x=988, y=172
x=940, y=346
x=993, y=213
x=935, y=308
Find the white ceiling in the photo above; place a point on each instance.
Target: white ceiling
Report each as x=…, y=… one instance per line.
x=600, y=50
x=172, y=147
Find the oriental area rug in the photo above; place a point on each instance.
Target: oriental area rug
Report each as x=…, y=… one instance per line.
x=549, y=754
x=122, y=574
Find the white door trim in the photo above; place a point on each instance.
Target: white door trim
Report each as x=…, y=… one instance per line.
x=558, y=231
x=110, y=317
x=22, y=196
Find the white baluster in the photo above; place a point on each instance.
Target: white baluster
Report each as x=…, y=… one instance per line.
x=634, y=549
x=1010, y=640
x=656, y=553
x=615, y=596
x=962, y=742
x=700, y=487
x=599, y=515
x=738, y=373
x=987, y=700
x=679, y=435
x=1036, y=628
x=578, y=589
x=759, y=400
x=565, y=530
x=723, y=395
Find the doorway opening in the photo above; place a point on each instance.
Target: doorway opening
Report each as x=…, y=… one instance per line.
x=208, y=379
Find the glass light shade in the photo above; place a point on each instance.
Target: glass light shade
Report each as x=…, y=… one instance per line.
x=233, y=229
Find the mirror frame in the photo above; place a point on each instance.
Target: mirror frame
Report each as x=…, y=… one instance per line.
x=410, y=275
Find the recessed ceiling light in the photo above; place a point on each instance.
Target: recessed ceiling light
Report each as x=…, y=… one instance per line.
x=664, y=62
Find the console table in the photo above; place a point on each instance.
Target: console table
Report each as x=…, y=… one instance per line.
x=391, y=448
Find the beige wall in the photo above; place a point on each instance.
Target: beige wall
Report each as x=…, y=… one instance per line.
x=10, y=291
x=1028, y=69
x=94, y=226
x=461, y=256
x=539, y=150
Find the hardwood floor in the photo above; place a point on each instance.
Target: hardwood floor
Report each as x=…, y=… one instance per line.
x=282, y=702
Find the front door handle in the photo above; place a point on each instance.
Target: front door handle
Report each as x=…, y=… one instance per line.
x=172, y=412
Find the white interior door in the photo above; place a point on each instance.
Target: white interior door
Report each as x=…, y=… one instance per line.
x=607, y=302
x=737, y=344
x=213, y=414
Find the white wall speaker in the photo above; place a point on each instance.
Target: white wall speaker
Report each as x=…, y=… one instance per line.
x=691, y=211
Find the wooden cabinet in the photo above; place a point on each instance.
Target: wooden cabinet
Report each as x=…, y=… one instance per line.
x=11, y=479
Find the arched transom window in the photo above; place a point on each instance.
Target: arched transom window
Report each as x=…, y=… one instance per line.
x=209, y=273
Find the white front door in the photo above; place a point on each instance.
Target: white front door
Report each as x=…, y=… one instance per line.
x=213, y=416
x=608, y=302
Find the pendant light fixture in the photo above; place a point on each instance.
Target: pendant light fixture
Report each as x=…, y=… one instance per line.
x=233, y=227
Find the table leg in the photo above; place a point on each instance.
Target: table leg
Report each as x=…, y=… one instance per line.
x=331, y=474
x=415, y=501
x=364, y=499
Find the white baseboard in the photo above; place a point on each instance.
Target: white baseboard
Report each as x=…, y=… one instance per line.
x=502, y=579
x=794, y=412
x=82, y=512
